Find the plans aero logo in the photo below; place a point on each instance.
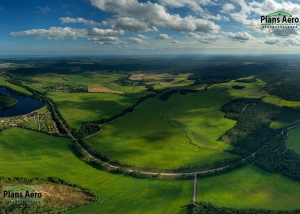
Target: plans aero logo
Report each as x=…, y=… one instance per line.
x=22, y=194
x=279, y=19
x=279, y=13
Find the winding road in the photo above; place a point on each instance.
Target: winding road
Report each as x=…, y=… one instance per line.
x=194, y=196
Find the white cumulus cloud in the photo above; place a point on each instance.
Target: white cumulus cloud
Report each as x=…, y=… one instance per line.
x=106, y=32
x=250, y=12
x=227, y=7
x=163, y=36
x=156, y=14
x=137, y=40
x=193, y=35
x=129, y=24
x=101, y=40
x=66, y=20
x=193, y=4
x=177, y=42
x=141, y=36
x=210, y=39
x=240, y=36
x=57, y=33
x=282, y=41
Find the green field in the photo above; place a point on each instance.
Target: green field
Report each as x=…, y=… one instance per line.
x=150, y=138
x=31, y=154
x=91, y=79
x=3, y=82
x=254, y=90
x=250, y=187
x=293, y=142
x=79, y=107
x=40, y=81
x=281, y=102
x=251, y=90
x=161, y=126
x=165, y=80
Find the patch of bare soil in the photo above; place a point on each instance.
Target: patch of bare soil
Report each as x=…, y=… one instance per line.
x=104, y=89
x=63, y=195
x=136, y=77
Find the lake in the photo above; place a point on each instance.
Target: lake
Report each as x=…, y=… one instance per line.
x=25, y=104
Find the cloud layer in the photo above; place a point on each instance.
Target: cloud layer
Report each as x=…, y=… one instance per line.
x=57, y=32
x=153, y=13
x=66, y=20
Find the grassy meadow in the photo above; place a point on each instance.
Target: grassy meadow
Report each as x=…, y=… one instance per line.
x=79, y=107
x=281, y=102
x=166, y=126
x=164, y=80
x=3, y=82
x=161, y=126
x=293, y=142
x=250, y=187
x=31, y=154
x=93, y=80
x=254, y=90
x=133, y=138
x=40, y=81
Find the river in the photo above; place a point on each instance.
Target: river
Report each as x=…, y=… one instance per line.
x=25, y=104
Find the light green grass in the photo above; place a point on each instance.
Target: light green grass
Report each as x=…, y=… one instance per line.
x=33, y=124
x=155, y=126
x=251, y=90
x=140, y=91
x=30, y=154
x=3, y=82
x=254, y=90
x=79, y=107
x=250, y=187
x=151, y=136
x=282, y=124
x=198, y=114
x=103, y=78
x=167, y=80
x=277, y=124
x=281, y=102
x=293, y=142
x=42, y=80
x=91, y=79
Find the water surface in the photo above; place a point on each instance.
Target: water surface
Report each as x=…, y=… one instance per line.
x=25, y=104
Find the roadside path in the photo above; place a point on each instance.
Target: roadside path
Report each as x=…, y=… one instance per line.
x=143, y=172
x=195, y=189
x=293, y=127
x=93, y=134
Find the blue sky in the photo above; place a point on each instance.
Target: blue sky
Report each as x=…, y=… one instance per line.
x=100, y=27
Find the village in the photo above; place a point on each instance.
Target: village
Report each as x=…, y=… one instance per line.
x=39, y=120
x=68, y=88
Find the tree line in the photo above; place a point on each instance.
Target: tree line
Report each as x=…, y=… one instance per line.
x=209, y=208
x=6, y=101
x=252, y=136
